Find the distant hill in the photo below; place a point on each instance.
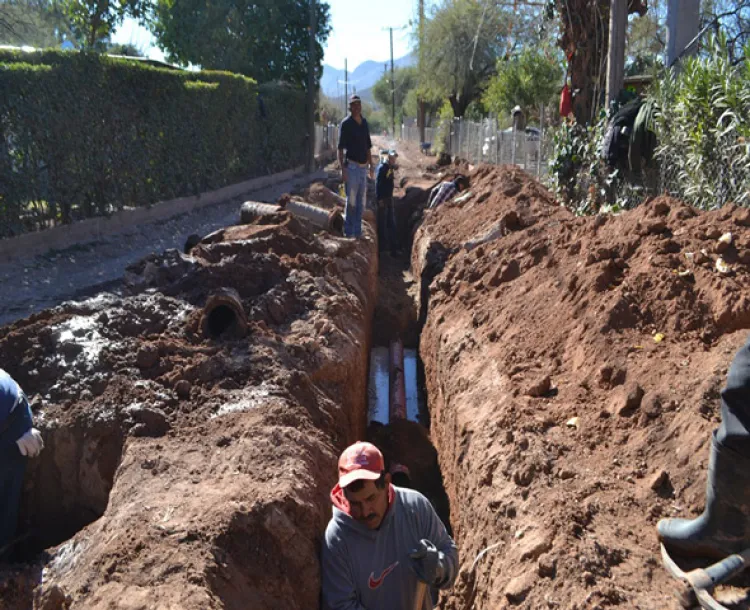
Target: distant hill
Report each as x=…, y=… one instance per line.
x=363, y=77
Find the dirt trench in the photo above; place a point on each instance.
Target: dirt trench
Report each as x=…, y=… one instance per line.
x=573, y=368
x=188, y=456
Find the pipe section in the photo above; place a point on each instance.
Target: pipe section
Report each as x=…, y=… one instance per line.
x=250, y=211
x=224, y=315
x=398, y=389
x=330, y=220
x=378, y=388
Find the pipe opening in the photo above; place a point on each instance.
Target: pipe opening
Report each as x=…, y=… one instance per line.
x=224, y=315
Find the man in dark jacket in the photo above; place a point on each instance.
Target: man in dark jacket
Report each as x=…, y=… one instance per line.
x=384, y=178
x=382, y=540
x=19, y=440
x=355, y=160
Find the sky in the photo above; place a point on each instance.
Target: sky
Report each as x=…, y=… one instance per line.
x=357, y=34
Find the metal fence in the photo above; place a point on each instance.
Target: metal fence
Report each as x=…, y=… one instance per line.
x=485, y=142
x=326, y=138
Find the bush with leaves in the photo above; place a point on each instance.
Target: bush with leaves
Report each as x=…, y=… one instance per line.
x=702, y=123
x=84, y=135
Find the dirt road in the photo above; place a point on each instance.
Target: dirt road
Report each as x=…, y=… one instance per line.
x=39, y=282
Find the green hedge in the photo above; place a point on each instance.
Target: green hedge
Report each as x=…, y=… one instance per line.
x=86, y=135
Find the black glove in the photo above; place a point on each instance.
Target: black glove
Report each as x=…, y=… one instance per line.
x=428, y=563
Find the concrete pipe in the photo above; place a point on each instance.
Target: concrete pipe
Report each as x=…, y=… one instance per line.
x=330, y=220
x=378, y=388
x=250, y=211
x=398, y=387
x=223, y=315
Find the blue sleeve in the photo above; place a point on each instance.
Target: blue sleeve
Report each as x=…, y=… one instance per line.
x=434, y=530
x=337, y=584
x=21, y=424
x=9, y=394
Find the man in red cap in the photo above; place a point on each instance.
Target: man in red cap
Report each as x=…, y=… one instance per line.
x=382, y=540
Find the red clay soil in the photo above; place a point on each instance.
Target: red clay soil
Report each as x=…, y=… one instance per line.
x=573, y=367
x=198, y=468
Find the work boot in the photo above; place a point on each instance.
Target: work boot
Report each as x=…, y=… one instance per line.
x=724, y=526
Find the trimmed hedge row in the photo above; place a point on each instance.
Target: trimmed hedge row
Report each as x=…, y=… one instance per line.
x=85, y=135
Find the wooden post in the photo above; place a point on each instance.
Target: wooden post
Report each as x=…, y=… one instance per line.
x=618, y=25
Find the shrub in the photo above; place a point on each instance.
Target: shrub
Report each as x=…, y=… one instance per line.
x=86, y=135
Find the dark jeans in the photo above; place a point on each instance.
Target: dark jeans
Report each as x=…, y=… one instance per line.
x=734, y=431
x=387, y=238
x=12, y=467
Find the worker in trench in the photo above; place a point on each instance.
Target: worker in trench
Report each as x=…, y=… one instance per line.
x=724, y=527
x=355, y=161
x=382, y=540
x=19, y=440
x=384, y=185
x=446, y=190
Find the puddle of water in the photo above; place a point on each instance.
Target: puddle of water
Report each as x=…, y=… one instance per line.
x=82, y=331
x=378, y=386
x=410, y=383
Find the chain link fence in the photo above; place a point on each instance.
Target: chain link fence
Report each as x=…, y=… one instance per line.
x=484, y=142
x=326, y=138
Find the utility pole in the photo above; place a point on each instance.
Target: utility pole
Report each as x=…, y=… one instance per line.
x=420, y=104
x=346, y=87
x=618, y=24
x=393, y=93
x=683, y=19
x=311, y=91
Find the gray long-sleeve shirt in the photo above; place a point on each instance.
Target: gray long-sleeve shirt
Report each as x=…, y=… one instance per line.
x=364, y=569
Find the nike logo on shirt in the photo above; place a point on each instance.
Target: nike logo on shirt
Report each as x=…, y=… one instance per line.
x=376, y=582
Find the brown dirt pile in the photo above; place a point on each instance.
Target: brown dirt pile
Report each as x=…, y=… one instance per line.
x=573, y=368
x=198, y=468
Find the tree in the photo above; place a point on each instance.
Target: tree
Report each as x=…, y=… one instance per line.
x=36, y=23
x=264, y=39
x=462, y=41
x=405, y=80
x=93, y=21
x=732, y=17
x=584, y=39
x=646, y=39
x=526, y=80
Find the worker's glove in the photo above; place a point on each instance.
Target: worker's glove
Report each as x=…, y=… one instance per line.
x=428, y=563
x=31, y=443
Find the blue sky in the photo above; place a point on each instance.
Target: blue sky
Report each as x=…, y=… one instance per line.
x=357, y=34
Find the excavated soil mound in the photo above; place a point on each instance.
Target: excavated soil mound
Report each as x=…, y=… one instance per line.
x=195, y=449
x=573, y=367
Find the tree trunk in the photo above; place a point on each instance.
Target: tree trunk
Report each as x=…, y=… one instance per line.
x=459, y=103
x=585, y=41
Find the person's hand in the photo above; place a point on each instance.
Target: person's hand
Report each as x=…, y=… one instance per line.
x=428, y=563
x=31, y=443
x=344, y=175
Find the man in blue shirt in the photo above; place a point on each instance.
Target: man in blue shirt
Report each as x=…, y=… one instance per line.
x=384, y=178
x=356, y=163
x=19, y=440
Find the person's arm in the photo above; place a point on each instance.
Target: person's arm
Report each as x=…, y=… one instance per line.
x=340, y=153
x=434, y=531
x=369, y=153
x=337, y=585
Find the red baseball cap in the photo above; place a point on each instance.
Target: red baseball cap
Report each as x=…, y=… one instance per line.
x=360, y=461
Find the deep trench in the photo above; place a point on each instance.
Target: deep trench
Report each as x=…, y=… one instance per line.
x=68, y=486
x=405, y=442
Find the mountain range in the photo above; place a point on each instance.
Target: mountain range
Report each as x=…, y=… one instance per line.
x=362, y=78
